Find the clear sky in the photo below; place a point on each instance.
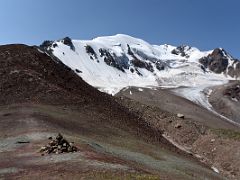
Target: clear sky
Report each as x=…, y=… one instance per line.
x=205, y=24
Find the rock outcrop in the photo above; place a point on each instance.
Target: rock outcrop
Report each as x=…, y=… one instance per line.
x=219, y=61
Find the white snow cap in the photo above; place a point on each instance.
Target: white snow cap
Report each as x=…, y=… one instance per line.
x=179, y=70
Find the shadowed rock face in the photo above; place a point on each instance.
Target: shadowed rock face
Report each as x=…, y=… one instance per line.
x=216, y=62
x=181, y=50
x=220, y=62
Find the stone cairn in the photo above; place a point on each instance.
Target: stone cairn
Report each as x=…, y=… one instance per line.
x=57, y=146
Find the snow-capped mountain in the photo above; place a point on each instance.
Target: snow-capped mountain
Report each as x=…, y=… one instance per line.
x=114, y=62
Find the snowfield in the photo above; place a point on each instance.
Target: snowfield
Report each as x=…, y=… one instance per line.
x=182, y=69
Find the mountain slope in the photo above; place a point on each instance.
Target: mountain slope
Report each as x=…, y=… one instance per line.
x=41, y=97
x=30, y=76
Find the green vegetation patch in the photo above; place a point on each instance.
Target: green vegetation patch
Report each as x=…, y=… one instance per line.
x=226, y=133
x=122, y=176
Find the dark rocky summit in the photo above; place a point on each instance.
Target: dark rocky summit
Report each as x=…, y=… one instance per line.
x=216, y=61
x=219, y=61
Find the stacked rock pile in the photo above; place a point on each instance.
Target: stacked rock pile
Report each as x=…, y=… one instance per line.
x=58, y=145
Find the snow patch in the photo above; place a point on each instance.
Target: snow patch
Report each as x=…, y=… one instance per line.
x=215, y=169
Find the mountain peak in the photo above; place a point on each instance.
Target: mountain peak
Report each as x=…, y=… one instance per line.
x=219, y=61
x=111, y=63
x=122, y=39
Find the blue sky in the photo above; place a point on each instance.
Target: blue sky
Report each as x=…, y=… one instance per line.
x=205, y=24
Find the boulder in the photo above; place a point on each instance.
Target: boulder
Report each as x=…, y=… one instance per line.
x=179, y=115
x=177, y=126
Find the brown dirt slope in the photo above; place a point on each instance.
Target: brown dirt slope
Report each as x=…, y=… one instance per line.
x=170, y=102
x=40, y=97
x=200, y=133
x=29, y=76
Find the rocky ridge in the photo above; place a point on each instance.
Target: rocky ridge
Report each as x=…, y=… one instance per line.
x=219, y=61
